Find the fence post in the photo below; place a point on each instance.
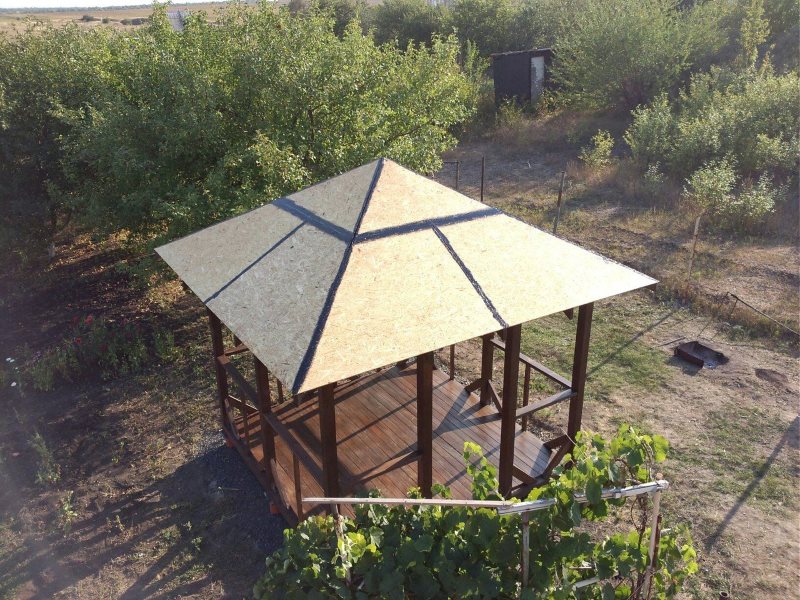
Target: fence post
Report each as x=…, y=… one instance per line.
x=558, y=203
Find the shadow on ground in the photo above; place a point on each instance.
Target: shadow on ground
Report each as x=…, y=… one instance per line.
x=206, y=525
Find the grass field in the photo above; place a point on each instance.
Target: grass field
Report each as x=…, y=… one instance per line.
x=9, y=18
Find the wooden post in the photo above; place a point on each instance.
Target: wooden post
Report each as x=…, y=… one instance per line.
x=580, y=359
x=694, y=247
x=218, y=349
x=425, y=422
x=452, y=362
x=487, y=366
x=509, y=408
x=558, y=204
x=264, y=407
x=327, y=434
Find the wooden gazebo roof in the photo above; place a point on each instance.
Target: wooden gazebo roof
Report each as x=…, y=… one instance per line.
x=378, y=265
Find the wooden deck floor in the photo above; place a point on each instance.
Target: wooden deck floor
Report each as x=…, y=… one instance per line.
x=376, y=425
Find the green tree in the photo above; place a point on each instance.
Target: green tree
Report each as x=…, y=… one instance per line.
x=215, y=120
x=486, y=23
x=407, y=21
x=622, y=52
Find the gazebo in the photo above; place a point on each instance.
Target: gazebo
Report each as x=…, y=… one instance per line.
x=342, y=292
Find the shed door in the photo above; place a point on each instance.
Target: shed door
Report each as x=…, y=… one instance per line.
x=537, y=76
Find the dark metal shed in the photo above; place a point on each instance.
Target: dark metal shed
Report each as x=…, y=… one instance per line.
x=521, y=75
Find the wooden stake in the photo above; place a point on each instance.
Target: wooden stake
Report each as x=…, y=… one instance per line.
x=458, y=172
x=558, y=203
x=483, y=170
x=694, y=247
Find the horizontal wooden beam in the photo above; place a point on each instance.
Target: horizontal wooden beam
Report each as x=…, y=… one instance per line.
x=542, y=404
x=536, y=366
x=475, y=385
x=556, y=442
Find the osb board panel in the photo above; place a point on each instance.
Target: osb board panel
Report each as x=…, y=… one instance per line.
x=275, y=306
x=340, y=199
x=210, y=258
x=401, y=196
x=400, y=296
x=528, y=273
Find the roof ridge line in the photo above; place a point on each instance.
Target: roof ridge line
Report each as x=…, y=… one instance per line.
x=308, y=358
x=376, y=175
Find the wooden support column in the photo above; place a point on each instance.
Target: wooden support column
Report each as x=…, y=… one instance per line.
x=327, y=434
x=509, y=408
x=425, y=423
x=218, y=349
x=487, y=366
x=579, y=363
x=264, y=407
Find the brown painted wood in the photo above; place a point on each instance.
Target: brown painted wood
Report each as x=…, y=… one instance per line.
x=509, y=408
x=580, y=360
x=452, y=362
x=487, y=367
x=377, y=441
x=218, y=349
x=327, y=430
x=264, y=407
x=536, y=366
x=526, y=395
x=545, y=403
x=425, y=423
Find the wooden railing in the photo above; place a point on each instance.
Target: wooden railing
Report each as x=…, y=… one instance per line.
x=275, y=429
x=532, y=365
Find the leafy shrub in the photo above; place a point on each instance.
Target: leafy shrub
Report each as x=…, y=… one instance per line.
x=457, y=552
x=48, y=471
x=711, y=186
x=598, y=154
x=751, y=118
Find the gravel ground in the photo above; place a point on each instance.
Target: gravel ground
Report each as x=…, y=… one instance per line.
x=230, y=483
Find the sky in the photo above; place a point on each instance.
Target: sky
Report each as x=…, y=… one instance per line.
x=79, y=3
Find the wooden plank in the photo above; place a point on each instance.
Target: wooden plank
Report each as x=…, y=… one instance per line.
x=238, y=349
x=425, y=422
x=545, y=402
x=580, y=360
x=327, y=434
x=509, y=408
x=452, y=362
x=536, y=366
x=487, y=366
